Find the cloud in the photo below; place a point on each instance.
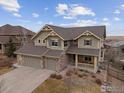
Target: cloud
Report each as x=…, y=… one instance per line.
x=105, y=19
x=116, y=12
x=61, y=9
x=10, y=5
x=40, y=22
x=81, y=23
x=46, y=8
x=122, y=6
x=105, y=23
x=24, y=21
x=68, y=17
x=51, y=23
x=73, y=10
x=17, y=15
x=35, y=15
x=117, y=19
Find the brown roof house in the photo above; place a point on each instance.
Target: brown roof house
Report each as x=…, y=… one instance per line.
x=57, y=47
x=18, y=34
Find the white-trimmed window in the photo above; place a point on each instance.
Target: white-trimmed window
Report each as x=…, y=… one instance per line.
x=38, y=41
x=54, y=42
x=88, y=42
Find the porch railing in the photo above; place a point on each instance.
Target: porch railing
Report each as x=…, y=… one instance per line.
x=85, y=65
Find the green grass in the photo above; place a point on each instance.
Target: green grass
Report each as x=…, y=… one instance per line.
x=4, y=70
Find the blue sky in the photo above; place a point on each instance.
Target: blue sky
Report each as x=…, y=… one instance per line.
x=33, y=14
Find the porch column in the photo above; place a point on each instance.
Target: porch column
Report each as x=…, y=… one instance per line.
x=76, y=60
x=3, y=48
x=95, y=64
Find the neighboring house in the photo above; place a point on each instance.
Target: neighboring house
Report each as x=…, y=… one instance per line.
x=115, y=76
x=57, y=47
x=115, y=51
x=18, y=34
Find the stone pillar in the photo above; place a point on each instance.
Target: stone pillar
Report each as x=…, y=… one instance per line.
x=76, y=60
x=95, y=64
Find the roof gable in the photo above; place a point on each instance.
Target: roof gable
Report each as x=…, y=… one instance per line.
x=44, y=28
x=73, y=32
x=87, y=33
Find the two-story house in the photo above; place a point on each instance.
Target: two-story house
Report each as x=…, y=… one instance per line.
x=57, y=47
x=18, y=34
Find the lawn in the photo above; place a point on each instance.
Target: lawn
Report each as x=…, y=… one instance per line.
x=4, y=70
x=52, y=86
x=59, y=86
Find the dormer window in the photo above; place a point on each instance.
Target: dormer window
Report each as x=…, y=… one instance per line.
x=88, y=42
x=54, y=42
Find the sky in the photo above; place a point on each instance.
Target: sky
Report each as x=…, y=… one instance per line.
x=34, y=14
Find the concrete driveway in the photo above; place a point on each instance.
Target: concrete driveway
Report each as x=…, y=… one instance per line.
x=23, y=80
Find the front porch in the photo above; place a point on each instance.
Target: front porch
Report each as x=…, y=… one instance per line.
x=84, y=62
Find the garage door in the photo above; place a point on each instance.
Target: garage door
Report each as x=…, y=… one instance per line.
x=51, y=63
x=34, y=62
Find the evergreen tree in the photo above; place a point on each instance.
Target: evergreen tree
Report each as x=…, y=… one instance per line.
x=10, y=48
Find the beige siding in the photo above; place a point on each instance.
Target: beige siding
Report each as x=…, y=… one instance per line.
x=60, y=41
x=41, y=38
x=95, y=42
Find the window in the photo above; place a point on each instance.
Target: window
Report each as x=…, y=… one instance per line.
x=87, y=42
x=65, y=43
x=88, y=58
x=123, y=67
x=122, y=50
x=44, y=41
x=54, y=42
x=39, y=41
x=0, y=46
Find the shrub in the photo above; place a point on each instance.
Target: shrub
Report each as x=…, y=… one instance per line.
x=53, y=75
x=68, y=73
x=58, y=77
x=98, y=71
x=80, y=75
x=98, y=81
x=93, y=76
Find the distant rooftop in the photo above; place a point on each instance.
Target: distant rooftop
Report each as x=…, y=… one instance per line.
x=8, y=29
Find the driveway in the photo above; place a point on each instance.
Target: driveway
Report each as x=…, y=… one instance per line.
x=23, y=80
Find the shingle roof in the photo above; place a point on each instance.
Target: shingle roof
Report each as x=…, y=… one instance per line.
x=117, y=44
x=83, y=51
x=30, y=49
x=39, y=51
x=73, y=32
x=53, y=53
x=14, y=30
x=4, y=39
